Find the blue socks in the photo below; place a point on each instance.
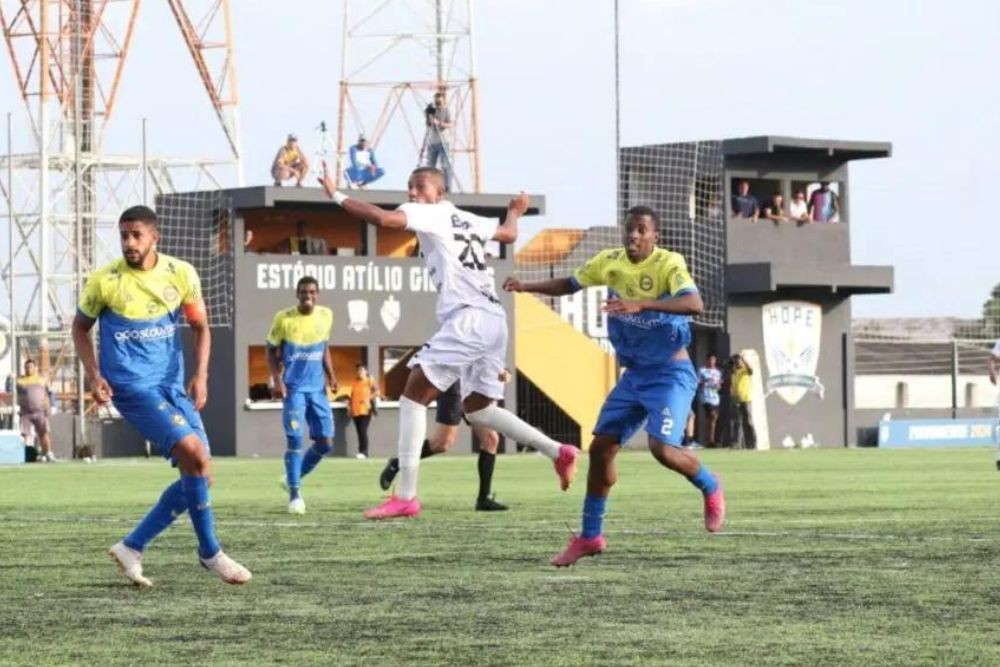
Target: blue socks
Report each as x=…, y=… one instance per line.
x=593, y=515
x=314, y=456
x=199, y=506
x=293, y=464
x=704, y=481
x=170, y=506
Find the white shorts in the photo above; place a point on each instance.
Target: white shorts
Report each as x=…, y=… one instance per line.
x=470, y=347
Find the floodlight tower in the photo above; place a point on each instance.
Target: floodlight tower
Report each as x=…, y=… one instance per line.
x=395, y=56
x=62, y=199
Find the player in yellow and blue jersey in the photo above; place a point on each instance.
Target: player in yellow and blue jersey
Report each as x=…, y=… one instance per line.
x=138, y=301
x=299, y=358
x=650, y=298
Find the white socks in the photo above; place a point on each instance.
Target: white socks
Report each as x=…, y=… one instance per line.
x=412, y=431
x=506, y=422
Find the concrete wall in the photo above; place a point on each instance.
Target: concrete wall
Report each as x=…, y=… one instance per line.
x=824, y=418
x=879, y=392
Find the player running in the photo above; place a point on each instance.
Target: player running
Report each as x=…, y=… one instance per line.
x=650, y=296
x=301, y=369
x=471, y=343
x=449, y=416
x=138, y=300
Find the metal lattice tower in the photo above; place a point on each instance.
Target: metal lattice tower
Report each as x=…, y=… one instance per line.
x=63, y=198
x=395, y=55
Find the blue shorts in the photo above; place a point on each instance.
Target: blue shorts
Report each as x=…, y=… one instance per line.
x=309, y=407
x=660, y=396
x=163, y=415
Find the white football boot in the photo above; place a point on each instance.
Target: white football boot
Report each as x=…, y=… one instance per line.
x=226, y=568
x=129, y=561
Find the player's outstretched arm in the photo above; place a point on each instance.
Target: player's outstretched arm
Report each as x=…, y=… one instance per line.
x=85, y=351
x=508, y=231
x=553, y=287
x=362, y=210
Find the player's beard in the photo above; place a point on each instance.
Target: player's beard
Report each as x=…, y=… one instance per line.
x=136, y=263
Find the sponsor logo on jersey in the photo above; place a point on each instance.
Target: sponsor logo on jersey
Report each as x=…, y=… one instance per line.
x=147, y=334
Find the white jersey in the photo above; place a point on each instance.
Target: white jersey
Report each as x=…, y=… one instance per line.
x=452, y=241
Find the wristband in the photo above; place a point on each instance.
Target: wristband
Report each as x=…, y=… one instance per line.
x=339, y=198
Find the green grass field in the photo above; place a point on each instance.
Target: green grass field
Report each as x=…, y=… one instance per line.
x=829, y=557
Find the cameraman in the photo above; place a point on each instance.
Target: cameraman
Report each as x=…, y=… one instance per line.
x=742, y=431
x=438, y=138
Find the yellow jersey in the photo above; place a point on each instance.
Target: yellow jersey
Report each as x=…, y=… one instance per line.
x=647, y=338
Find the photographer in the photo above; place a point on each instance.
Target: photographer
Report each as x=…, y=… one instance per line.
x=438, y=138
x=742, y=433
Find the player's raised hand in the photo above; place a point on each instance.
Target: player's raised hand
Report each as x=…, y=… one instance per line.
x=519, y=204
x=101, y=390
x=326, y=181
x=512, y=284
x=615, y=306
x=198, y=391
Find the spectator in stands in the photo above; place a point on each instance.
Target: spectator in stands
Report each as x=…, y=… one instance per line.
x=34, y=405
x=994, y=362
x=248, y=240
x=798, y=210
x=744, y=435
x=364, y=393
x=709, y=383
x=824, y=204
x=775, y=209
x=364, y=168
x=437, y=140
x=290, y=163
x=745, y=205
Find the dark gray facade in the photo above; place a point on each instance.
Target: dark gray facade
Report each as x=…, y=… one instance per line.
x=379, y=302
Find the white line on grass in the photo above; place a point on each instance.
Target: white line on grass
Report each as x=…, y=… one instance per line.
x=389, y=525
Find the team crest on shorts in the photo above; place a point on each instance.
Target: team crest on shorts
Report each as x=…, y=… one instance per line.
x=293, y=424
x=178, y=420
x=792, y=333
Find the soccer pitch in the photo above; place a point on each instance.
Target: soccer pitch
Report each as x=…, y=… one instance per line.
x=834, y=557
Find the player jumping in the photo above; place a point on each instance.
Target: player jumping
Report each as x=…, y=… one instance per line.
x=138, y=300
x=471, y=343
x=299, y=359
x=651, y=294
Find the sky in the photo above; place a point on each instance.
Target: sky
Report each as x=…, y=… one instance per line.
x=919, y=74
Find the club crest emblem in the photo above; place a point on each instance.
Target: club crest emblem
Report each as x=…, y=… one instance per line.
x=646, y=283
x=357, y=314
x=390, y=313
x=178, y=420
x=792, y=333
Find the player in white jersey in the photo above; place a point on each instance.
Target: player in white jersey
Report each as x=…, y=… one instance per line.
x=994, y=367
x=470, y=344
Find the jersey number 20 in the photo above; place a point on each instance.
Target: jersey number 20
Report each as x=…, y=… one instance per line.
x=472, y=255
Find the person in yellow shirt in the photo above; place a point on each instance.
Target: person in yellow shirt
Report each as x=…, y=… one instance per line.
x=363, y=395
x=290, y=163
x=741, y=392
x=33, y=403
